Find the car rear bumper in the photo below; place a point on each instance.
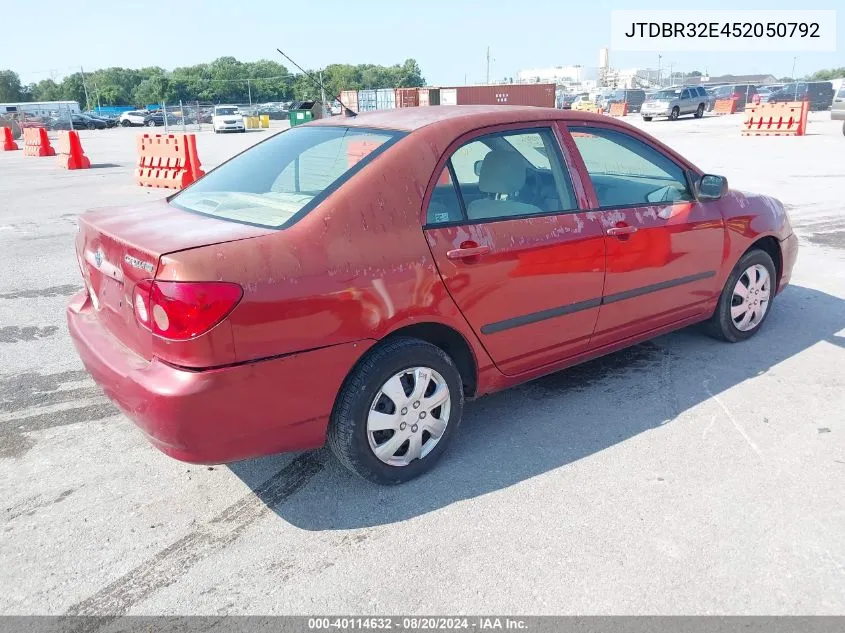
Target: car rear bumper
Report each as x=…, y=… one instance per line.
x=789, y=254
x=216, y=415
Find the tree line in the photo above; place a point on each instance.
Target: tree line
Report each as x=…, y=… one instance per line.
x=224, y=80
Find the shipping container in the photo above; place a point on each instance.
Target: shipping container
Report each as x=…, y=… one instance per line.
x=367, y=100
x=448, y=96
x=429, y=96
x=349, y=98
x=407, y=97
x=385, y=99
x=541, y=95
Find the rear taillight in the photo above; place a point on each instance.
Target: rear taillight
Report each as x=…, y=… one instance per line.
x=181, y=310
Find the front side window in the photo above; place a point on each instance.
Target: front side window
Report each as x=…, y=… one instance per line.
x=284, y=176
x=503, y=175
x=625, y=171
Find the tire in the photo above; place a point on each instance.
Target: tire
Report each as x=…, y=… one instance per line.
x=699, y=111
x=647, y=118
x=363, y=395
x=151, y=123
x=722, y=324
x=675, y=113
x=125, y=123
x=843, y=127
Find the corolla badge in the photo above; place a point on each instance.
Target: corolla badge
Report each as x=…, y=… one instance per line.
x=138, y=263
x=98, y=257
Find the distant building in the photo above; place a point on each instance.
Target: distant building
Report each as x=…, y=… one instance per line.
x=40, y=108
x=558, y=74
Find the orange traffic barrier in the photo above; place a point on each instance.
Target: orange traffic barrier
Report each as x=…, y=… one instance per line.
x=167, y=160
x=724, y=106
x=776, y=119
x=71, y=155
x=9, y=144
x=36, y=143
x=619, y=109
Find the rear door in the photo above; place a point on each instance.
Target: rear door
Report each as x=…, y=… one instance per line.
x=664, y=248
x=519, y=258
x=686, y=105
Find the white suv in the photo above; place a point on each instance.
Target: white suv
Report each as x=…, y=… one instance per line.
x=132, y=117
x=227, y=118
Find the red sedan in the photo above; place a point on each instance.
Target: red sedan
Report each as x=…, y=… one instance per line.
x=353, y=280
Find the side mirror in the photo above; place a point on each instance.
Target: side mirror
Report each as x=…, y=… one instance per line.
x=712, y=187
x=477, y=167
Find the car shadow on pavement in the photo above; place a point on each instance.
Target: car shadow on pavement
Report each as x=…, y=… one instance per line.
x=544, y=425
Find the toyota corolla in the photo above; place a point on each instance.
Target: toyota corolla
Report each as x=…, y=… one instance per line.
x=353, y=280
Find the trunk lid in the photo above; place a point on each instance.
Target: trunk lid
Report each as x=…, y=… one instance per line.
x=117, y=248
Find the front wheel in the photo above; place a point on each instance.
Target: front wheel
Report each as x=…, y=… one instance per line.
x=125, y=123
x=700, y=111
x=397, y=411
x=746, y=299
x=675, y=113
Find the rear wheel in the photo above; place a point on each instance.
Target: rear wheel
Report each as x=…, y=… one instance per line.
x=675, y=113
x=125, y=123
x=151, y=123
x=700, y=111
x=746, y=299
x=397, y=411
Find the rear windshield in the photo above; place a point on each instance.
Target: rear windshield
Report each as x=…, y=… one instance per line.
x=278, y=181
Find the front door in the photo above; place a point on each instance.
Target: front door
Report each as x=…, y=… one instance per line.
x=664, y=248
x=524, y=266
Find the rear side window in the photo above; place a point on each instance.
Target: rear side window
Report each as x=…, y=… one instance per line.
x=841, y=94
x=502, y=175
x=625, y=171
x=276, y=182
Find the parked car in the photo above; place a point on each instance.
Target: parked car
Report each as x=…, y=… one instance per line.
x=132, y=117
x=818, y=93
x=634, y=97
x=675, y=102
x=155, y=118
x=227, y=118
x=257, y=311
x=837, y=110
x=110, y=121
x=80, y=122
x=743, y=94
x=564, y=102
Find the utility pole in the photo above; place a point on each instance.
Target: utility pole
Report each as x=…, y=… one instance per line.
x=488, y=65
x=659, y=82
x=794, y=59
x=249, y=91
x=84, y=87
x=323, y=95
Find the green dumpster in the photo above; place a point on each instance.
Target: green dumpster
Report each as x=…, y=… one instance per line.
x=301, y=112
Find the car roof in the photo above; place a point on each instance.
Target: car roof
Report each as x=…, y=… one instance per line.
x=466, y=116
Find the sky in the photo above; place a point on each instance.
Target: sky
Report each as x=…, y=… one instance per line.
x=449, y=39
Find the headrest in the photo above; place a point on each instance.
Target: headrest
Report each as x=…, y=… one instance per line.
x=501, y=172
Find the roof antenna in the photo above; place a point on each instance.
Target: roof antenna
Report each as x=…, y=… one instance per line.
x=318, y=83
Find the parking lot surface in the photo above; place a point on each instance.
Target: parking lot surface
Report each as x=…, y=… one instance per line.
x=681, y=476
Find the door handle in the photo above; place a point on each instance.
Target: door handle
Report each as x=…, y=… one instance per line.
x=621, y=230
x=471, y=251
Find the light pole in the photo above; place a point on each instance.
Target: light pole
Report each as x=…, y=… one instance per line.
x=794, y=59
x=659, y=82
